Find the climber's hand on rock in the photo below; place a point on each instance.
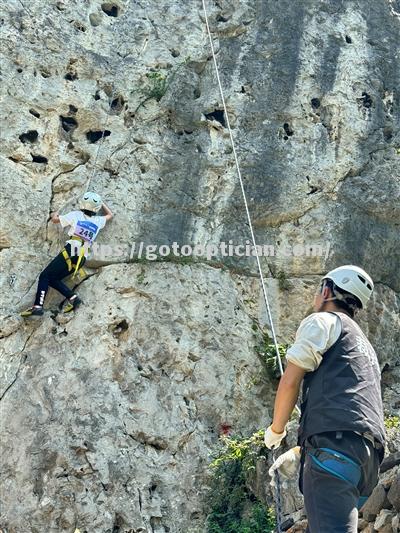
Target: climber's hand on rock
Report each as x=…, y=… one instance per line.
x=287, y=465
x=55, y=217
x=272, y=439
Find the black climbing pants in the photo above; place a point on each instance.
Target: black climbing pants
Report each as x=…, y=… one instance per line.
x=331, y=502
x=52, y=275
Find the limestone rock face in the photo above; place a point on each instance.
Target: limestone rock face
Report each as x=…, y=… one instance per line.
x=109, y=416
x=116, y=423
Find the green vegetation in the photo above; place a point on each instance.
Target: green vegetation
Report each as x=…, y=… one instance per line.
x=140, y=276
x=157, y=82
x=157, y=86
x=267, y=351
x=283, y=283
x=233, y=507
x=392, y=421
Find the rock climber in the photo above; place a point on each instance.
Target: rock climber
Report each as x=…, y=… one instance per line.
x=341, y=435
x=84, y=226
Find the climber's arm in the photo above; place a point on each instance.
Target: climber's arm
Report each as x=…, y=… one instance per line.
x=286, y=396
x=108, y=213
x=55, y=217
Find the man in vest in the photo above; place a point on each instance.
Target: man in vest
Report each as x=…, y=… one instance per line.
x=341, y=436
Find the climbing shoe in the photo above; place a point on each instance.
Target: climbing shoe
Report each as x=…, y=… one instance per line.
x=72, y=304
x=32, y=311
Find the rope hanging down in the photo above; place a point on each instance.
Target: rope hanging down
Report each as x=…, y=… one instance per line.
x=278, y=503
x=243, y=191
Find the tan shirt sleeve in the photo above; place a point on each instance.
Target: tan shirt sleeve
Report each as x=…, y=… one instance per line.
x=315, y=335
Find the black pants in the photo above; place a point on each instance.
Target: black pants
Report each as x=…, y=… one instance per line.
x=330, y=502
x=52, y=275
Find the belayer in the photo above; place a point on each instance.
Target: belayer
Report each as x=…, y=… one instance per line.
x=84, y=226
x=341, y=435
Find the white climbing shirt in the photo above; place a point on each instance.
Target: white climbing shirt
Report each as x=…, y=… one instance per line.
x=315, y=335
x=82, y=226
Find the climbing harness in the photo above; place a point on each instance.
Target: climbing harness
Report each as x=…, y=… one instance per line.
x=278, y=494
x=77, y=270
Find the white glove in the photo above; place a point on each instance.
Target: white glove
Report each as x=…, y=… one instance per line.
x=272, y=439
x=287, y=465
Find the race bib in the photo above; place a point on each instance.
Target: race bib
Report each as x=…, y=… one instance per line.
x=86, y=230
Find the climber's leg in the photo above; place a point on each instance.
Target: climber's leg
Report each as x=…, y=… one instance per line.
x=51, y=276
x=331, y=502
x=57, y=264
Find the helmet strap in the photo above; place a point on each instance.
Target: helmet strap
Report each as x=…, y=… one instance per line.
x=342, y=298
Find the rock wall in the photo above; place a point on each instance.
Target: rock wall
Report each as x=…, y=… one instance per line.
x=109, y=416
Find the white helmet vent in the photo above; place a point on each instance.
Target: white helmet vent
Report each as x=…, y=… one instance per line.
x=365, y=282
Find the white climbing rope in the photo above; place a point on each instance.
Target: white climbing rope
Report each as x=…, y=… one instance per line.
x=277, y=495
x=243, y=191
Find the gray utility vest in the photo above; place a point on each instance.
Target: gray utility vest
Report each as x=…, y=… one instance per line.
x=343, y=393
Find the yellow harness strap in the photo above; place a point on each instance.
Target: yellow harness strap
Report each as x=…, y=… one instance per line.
x=81, y=255
x=67, y=258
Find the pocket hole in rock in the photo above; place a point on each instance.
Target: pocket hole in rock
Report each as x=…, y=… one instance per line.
x=316, y=103
x=30, y=136
x=288, y=130
x=366, y=100
x=217, y=115
x=39, y=159
x=117, y=104
x=112, y=10
x=68, y=123
x=34, y=113
x=71, y=76
x=94, y=136
x=119, y=327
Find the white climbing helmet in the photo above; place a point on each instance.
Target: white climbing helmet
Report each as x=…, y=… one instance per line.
x=90, y=201
x=353, y=280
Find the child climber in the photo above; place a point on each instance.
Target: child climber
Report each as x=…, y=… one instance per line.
x=84, y=226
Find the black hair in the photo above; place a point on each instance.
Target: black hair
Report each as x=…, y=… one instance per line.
x=88, y=213
x=350, y=304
